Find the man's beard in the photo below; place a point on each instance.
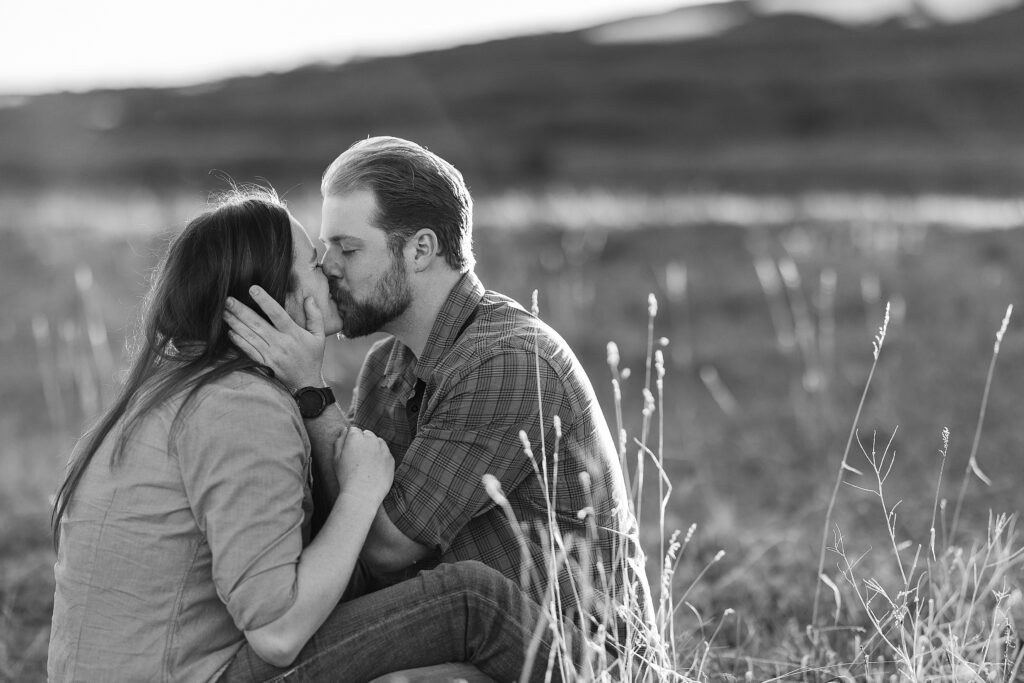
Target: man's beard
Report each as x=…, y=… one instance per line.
x=390, y=299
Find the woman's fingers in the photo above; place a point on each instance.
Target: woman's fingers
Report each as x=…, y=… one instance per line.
x=364, y=464
x=245, y=331
x=278, y=316
x=246, y=323
x=246, y=348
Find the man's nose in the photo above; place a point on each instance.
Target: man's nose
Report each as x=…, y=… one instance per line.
x=331, y=266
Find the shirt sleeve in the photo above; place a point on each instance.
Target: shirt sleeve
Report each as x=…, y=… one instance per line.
x=472, y=428
x=243, y=456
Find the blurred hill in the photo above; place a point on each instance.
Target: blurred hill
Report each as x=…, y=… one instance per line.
x=758, y=102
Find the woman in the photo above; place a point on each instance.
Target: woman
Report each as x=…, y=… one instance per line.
x=182, y=521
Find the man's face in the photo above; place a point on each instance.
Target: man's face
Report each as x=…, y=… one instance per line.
x=369, y=284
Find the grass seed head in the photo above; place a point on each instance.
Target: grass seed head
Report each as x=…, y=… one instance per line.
x=525, y=440
x=493, y=488
x=613, y=357
x=880, y=337
x=648, y=403
x=1002, y=328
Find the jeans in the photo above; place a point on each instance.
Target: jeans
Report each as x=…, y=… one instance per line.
x=443, y=673
x=461, y=612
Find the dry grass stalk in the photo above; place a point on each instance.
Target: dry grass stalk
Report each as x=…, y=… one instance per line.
x=648, y=639
x=802, y=324
x=719, y=392
x=46, y=357
x=972, y=461
x=843, y=466
x=778, y=311
x=825, y=303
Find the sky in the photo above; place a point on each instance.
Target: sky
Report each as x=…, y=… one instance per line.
x=48, y=45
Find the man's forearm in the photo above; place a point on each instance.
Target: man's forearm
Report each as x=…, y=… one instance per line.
x=387, y=548
x=325, y=434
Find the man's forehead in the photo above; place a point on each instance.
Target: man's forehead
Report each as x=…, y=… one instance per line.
x=349, y=216
x=342, y=230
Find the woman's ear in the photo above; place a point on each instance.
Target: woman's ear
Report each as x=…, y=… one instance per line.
x=424, y=247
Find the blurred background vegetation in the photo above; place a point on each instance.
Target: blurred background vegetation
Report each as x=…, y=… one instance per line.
x=779, y=102
x=773, y=185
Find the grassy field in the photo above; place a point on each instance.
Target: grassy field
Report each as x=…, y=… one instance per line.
x=769, y=334
x=769, y=305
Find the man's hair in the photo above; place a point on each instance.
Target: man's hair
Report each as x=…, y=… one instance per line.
x=414, y=189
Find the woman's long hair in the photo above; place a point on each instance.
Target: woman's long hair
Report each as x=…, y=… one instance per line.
x=245, y=240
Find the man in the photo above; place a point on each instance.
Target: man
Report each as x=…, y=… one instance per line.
x=465, y=385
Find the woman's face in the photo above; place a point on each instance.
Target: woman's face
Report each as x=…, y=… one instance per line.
x=310, y=281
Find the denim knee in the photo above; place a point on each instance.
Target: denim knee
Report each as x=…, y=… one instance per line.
x=471, y=576
x=469, y=573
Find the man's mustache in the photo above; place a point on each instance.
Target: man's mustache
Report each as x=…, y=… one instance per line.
x=338, y=293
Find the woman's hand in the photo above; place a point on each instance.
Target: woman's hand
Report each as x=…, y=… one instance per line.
x=294, y=352
x=363, y=465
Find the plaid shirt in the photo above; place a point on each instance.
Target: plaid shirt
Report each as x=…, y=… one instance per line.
x=486, y=382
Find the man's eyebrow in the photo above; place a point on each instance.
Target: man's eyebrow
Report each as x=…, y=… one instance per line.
x=346, y=239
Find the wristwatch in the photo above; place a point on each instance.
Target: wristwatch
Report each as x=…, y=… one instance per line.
x=313, y=400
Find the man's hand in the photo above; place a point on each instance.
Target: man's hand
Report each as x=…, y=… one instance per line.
x=294, y=353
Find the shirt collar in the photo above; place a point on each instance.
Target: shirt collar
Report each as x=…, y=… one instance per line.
x=462, y=300
x=456, y=310
x=398, y=365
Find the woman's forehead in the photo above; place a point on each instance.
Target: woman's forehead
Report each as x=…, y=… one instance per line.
x=302, y=244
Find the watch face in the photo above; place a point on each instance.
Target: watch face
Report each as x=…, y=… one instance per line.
x=313, y=400
x=309, y=401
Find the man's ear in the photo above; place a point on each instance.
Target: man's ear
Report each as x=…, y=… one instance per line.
x=423, y=248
